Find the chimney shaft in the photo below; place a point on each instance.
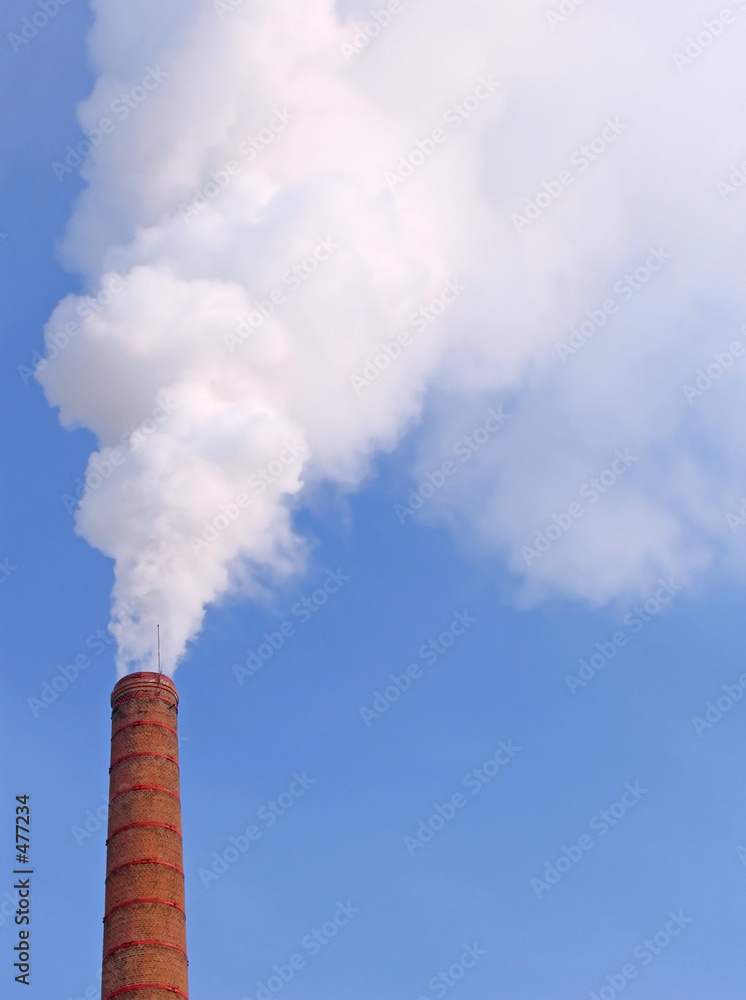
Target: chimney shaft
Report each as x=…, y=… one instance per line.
x=144, y=923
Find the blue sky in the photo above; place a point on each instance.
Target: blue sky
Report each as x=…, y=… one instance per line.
x=479, y=881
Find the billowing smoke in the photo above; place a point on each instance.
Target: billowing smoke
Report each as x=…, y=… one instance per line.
x=304, y=233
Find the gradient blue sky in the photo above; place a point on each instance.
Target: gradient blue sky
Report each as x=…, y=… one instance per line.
x=676, y=849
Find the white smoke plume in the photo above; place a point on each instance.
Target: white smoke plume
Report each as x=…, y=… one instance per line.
x=303, y=230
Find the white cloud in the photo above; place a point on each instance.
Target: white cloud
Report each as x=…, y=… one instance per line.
x=648, y=182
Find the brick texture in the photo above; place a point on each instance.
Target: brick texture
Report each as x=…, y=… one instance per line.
x=144, y=922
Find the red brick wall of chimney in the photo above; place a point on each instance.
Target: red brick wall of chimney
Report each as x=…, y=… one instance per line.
x=144, y=923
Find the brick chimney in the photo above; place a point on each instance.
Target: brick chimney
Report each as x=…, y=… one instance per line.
x=144, y=923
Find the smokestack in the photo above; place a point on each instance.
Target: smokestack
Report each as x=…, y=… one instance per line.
x=145, y=923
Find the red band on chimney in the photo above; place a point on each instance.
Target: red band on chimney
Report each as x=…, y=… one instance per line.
x=131, y=902
x=128, y=697
x=144, y=788
x=130, y=725
x=130, y=826
x=144, y=753
x=150, y=944
x=146, y=861
x=145, y=986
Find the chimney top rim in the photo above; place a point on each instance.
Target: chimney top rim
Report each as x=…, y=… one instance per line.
x=148, y=679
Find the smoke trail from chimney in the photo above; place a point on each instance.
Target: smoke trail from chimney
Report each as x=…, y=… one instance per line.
x=271, y=239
